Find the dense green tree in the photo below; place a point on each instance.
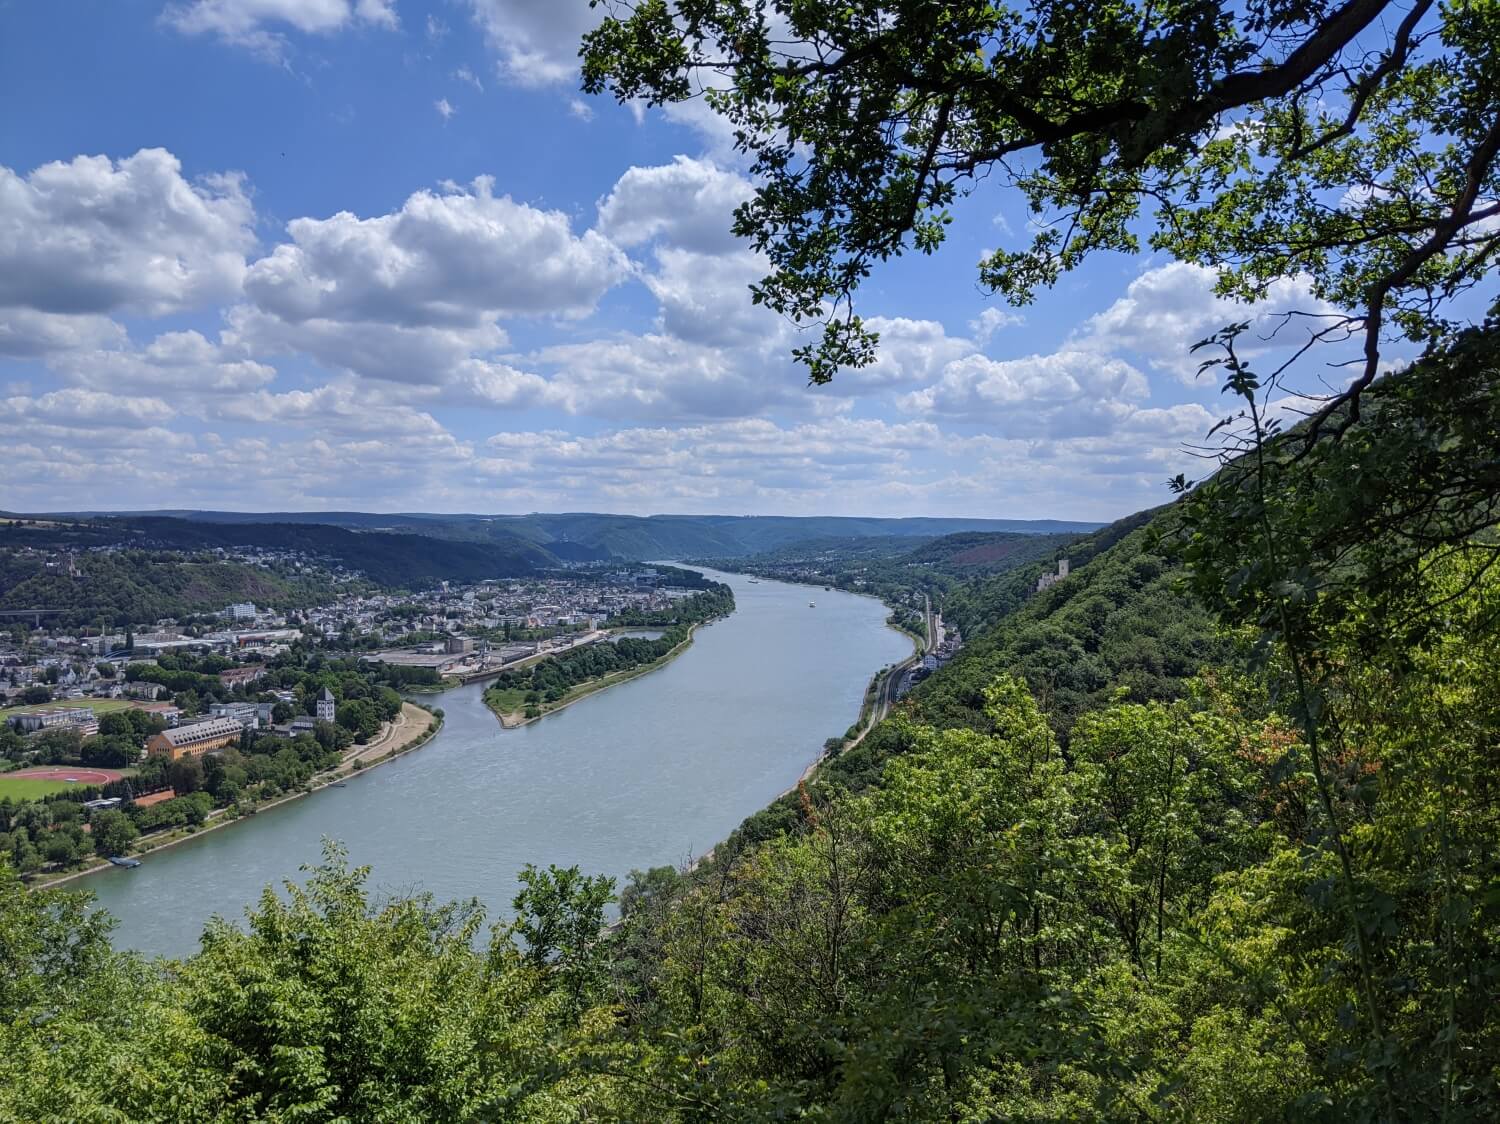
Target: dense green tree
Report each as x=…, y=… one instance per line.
x=113, y=833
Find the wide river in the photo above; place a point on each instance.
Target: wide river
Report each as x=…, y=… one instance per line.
x=651, y=772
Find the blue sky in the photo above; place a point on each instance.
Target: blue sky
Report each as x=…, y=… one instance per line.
x=381, y=254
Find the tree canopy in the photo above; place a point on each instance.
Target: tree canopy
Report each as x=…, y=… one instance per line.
x=1352, y=143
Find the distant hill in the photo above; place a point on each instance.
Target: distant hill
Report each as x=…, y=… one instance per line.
x=123, y=587
x=630, y=537
x=973, y=552
x=390, y=559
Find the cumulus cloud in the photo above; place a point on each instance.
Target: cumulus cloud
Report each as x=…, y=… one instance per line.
x=77, y=408
x=1169, y=308
x=688, y=203
x=458, y=258
x=991, y=320
x=659, y=376
x=28, y=334
x=418, y=354
x=536, y=41
x=174, y=363
x=94, y=235
x=911, y=352
x=259, y=25
x=705, y=299
x=444, y=108
x=684, y=211
x=729, y=463
x=1068, y=393
x=342, y=408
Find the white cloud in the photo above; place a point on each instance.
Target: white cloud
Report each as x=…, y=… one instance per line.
x=259, y=25
x=342, y=408
x=536, y=40
x=1068, y=393
x=912, y=352
x=657, y=376
x=687, y=203
x=684, y=212
x=175, y=363
x=97, y=236
x=580, y=109
x=705, y=299
x=991, y=320
x=76, y=408
x=26, y=333
x=464, y=74
x=457, y=258
x=729, y=464
x=1169, y=308
x=445, y=108
x=405, y=353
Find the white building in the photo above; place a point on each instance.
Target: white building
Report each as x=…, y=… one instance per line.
x=326, y=706
x=80, y=718
x=243, y=611
x=247, y=714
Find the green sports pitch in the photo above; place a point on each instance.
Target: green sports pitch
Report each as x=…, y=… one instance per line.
x=98, y=706
x=25, y=788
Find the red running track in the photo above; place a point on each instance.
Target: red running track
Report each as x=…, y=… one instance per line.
x=63, y=773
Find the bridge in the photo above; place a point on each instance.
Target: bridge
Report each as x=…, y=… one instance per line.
x=36, y=614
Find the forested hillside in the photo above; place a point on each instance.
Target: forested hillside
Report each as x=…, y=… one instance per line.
x=972, y=577
x=390, y=559
x=130, y=587
x=584, y=536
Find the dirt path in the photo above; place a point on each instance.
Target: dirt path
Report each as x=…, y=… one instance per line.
x=408, y=726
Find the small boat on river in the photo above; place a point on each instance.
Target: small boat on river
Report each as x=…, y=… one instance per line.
x=125, y=861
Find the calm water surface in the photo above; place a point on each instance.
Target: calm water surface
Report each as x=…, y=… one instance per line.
x=650, y=772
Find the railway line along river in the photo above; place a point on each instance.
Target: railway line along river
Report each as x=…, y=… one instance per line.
x=651, y=772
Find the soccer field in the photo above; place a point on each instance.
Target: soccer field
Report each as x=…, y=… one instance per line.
x=30, y=789
x=98, y=706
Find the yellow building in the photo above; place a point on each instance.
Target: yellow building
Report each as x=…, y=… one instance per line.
x=196, y=739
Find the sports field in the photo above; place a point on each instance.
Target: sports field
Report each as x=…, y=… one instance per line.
x=33, y=784
x=30, y=790
x=98, y=706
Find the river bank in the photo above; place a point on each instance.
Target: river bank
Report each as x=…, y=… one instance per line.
x=406, y=733
x=513, y=719
x=644, y=776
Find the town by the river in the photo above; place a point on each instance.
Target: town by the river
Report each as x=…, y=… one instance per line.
x=653, y=771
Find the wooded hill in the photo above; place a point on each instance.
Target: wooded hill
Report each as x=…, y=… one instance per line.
x=386, y=558
x=585, y=536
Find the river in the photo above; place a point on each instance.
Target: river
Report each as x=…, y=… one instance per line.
x=650, y=772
